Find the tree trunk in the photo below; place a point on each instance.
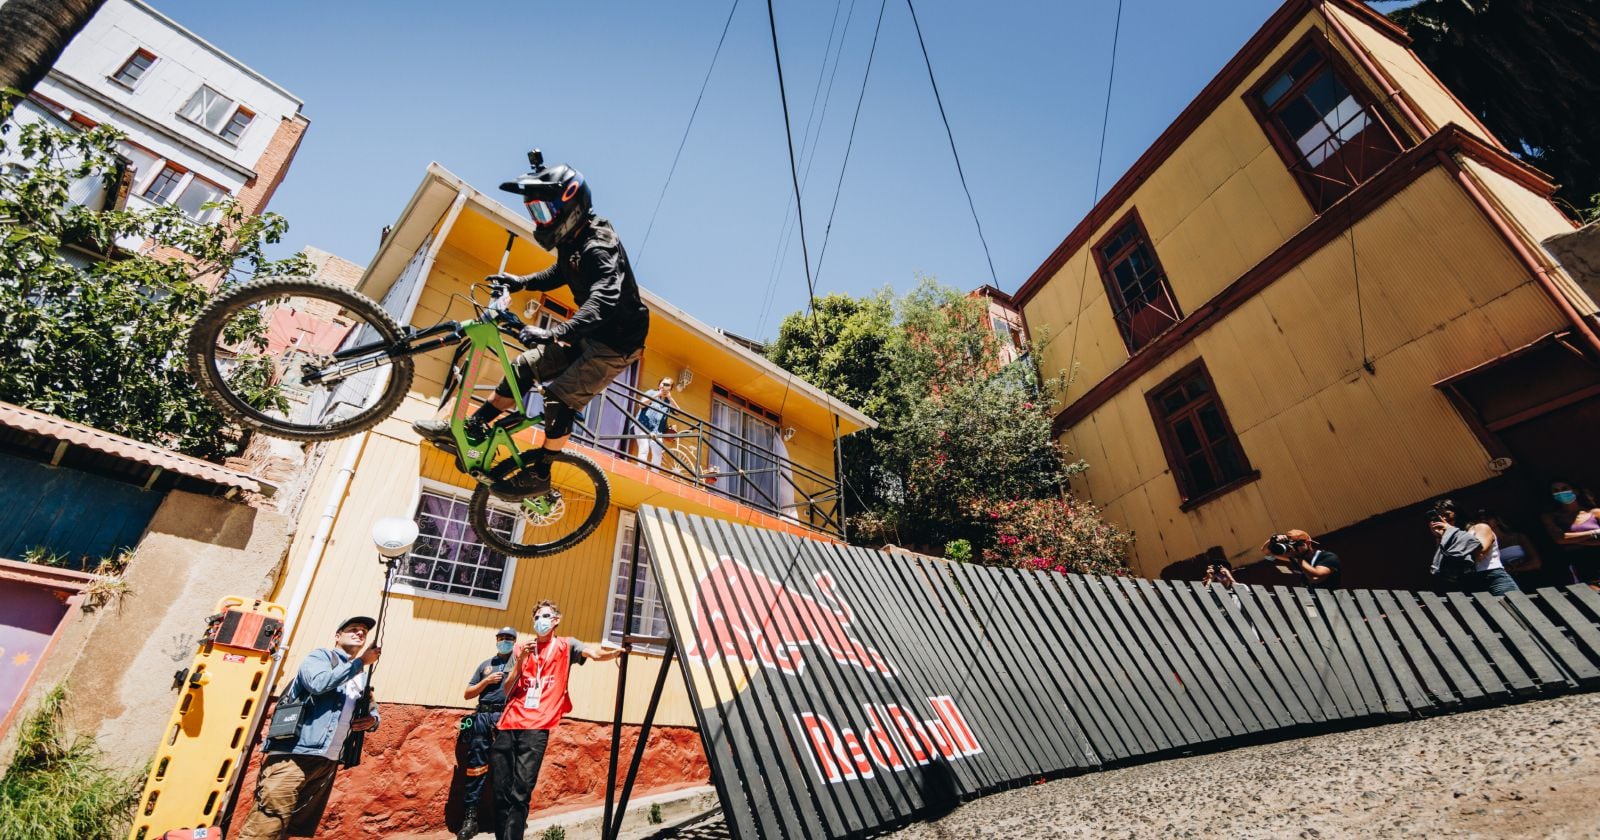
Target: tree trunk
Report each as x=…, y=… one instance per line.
x=32, y=35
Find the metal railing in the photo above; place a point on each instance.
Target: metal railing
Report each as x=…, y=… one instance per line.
x=1345, y=162
x=695, y=451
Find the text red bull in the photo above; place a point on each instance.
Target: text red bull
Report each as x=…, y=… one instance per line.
x=893, y=740
x=742, y=614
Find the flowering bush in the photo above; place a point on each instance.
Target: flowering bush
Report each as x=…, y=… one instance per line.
x=1059, y=534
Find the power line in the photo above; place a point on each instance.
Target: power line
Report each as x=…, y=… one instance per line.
x=1100, y=160
x=839, y=187
x=692, y=113
x=962, y=175
x=794, y=171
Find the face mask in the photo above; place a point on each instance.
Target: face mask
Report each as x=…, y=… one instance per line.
x=1565, y=497
x=504, y=645
x=542, y=626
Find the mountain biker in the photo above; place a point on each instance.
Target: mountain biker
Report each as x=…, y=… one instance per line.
x=580, y=357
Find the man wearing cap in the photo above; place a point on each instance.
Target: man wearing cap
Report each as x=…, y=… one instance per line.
x=487, y=686
x=1319, y=569
x=297, y=774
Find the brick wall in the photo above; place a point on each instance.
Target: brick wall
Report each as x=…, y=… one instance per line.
x=273, y=164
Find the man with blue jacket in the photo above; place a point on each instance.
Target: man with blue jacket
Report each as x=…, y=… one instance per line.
x=297, y=774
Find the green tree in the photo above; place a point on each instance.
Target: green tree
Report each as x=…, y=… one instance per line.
x=1527, y=68
x=92, y=330
x=960, y=432
x=33, y=33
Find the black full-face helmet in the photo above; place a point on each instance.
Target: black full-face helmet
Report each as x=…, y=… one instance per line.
x=557, y=198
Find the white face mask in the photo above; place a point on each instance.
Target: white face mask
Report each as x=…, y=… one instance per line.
x=543, y=625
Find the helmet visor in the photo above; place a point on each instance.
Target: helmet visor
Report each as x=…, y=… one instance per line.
x=543, y=212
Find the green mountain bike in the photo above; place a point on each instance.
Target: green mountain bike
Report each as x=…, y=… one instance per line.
x=341, y=364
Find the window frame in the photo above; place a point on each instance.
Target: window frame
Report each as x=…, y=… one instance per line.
x=228, y=123
x=1114, y=292
x=618, y=560
x=116, y=75
x=747, y=409
x=1176, y=463
x=178, y=183
x=507, y=578
x=1284, y=145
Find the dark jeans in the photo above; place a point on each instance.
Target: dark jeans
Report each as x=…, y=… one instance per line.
x=1493, y=581
x=514, y=764
x=476, y=741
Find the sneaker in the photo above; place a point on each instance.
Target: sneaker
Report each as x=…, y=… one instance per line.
x=439, y=434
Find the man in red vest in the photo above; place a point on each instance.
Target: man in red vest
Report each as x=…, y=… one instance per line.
x=536, y=700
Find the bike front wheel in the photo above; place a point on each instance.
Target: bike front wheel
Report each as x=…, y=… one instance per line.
x=257, y=350
x=545, y=523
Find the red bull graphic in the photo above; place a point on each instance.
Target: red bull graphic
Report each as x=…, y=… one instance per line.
x=893, y=740
x=757, y=620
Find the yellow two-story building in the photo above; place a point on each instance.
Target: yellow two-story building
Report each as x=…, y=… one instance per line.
x=1318, y=301
x=747, y=442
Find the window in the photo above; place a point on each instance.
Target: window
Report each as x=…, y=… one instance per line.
x=1141, y=298
x=649, y=613
x=1321, y=124
x=1204, y=454
x=133, y=69
x=237, y=123
x=748, y=436
x=196, y=196
x=208, y=108
x=448, y=561
x=605, y=418
x=164, y=185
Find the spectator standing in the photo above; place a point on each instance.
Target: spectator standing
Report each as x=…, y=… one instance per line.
x=1468, y=556
x=1318, y=568
x=487, y=686
x=1574, y=524
x=652, y=420
x=297, y=775
x=1517, y=551
x=536, y=701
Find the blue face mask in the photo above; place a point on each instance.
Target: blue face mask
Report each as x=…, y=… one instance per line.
x=1565, y=497
x=504, y=646
x=542, y=626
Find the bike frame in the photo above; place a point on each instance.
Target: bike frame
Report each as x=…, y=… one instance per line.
x=487, y=346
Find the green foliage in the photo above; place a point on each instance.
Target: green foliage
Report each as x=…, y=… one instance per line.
x=554, y=832
x=958, y=427
x=1527, y=70
x=1059, y=534
x=92, y=330
x=1592, y=213
x=57, y=785
x=958, y=550
x=654, y=817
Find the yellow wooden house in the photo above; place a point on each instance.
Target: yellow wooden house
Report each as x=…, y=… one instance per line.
x=1318, y=301
x=750, y=443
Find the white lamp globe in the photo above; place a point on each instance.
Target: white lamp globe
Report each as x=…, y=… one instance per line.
x=394, y=536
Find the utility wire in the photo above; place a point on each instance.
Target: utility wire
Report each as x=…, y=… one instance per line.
x=849, y=144
x=794, y=171
x=962, y=175
x=692, y=113
x=1100, y=160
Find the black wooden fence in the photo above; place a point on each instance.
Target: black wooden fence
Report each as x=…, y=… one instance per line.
x=841, y=690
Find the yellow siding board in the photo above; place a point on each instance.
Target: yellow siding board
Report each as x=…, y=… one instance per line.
x=1435, y=102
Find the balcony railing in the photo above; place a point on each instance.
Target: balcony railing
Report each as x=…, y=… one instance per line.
x=1354, y=150
x=699, y=453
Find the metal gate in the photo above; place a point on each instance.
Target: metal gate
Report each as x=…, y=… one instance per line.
x=840, y=690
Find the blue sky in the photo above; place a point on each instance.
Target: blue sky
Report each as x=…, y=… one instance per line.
x=608, y=87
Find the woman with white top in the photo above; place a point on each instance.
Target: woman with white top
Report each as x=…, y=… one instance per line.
x=1488, y=572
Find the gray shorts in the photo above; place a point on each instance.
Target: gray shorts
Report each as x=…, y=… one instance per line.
x=574, y=375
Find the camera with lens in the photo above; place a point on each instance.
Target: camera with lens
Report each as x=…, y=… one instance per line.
x=1279, y=544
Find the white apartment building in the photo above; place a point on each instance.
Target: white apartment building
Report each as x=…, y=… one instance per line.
x=200, y=123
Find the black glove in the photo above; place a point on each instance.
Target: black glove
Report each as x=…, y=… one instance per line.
x=511, y=281
x=532, y=335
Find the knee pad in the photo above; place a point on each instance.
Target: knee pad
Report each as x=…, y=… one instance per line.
x=558, y=418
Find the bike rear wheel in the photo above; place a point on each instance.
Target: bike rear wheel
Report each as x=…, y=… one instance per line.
x=251, y=347
x=549, y=522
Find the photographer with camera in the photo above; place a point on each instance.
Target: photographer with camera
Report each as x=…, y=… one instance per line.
x=1319, y=569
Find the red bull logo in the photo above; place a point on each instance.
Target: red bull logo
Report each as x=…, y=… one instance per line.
x=744, y=615
x=892, y=741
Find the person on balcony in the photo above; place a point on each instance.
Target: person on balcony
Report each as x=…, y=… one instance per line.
x=578, y=358
x=656, y=406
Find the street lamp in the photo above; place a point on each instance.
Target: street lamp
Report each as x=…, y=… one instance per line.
x=394, y=536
